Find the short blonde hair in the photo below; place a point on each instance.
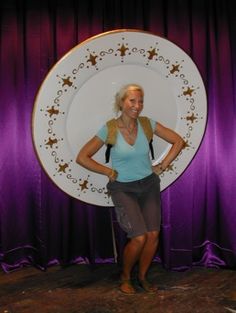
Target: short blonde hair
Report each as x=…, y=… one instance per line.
x=122, y=94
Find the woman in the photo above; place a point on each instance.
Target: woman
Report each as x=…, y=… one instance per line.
x=134, y=183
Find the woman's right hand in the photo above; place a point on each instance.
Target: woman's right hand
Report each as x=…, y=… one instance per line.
x=112, y=175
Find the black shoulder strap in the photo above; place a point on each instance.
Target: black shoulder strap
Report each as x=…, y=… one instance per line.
x=108, y=152
x=111, y=137
x=147, y=128
x=151, y=148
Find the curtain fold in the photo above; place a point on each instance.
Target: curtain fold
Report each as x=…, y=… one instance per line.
x=42, y=226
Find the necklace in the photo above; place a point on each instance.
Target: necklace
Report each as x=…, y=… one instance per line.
x=129, y=131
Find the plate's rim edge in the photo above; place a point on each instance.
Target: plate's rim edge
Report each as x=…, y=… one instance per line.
x=99, y=35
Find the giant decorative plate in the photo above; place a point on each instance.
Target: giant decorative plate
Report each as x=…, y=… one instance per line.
x=76, y=99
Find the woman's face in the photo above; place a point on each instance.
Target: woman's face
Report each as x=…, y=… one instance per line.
x=132, y=105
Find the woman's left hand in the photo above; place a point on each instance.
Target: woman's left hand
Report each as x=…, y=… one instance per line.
x=158, y=169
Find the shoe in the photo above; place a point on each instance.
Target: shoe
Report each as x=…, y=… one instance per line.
x=126, y=287
x=147, y=286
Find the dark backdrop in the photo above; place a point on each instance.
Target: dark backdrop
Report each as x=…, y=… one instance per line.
x=39, y=224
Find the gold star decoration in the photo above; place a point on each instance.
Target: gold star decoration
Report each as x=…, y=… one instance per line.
x=84, y=185
x=62, y=168
x=122, y=50
x=188, y=92
x=52, y=111
x=186, y=145
x=51, y=142
x=170, y=167
x=175, y=68
x=66, y=81
x=191, y=118
x=152, y=53
x=92, y=59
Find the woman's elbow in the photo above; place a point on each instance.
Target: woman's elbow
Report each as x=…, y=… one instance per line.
x=80, y=159
x=181, y=143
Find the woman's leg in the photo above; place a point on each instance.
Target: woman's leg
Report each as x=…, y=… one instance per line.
x=131, y=220
x=147, y=253
x=142, y=249
x=150, y=204
x=131, y=255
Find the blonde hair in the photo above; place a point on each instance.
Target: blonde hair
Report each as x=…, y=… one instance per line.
x=122, y=94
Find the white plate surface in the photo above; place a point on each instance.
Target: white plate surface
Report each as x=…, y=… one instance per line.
x=76, y=99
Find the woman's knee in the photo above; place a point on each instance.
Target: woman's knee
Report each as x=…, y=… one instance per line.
x=139, y=240
x=152, y=235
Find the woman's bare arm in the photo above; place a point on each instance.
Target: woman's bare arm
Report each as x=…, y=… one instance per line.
x=85, y=157
x=173, y=138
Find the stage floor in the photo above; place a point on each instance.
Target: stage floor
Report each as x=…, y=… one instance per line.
x=93, y=289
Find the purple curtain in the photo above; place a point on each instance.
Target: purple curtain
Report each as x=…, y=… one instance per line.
x=42, y=226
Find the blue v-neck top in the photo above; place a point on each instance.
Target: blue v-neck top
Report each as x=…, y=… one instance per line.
x=132, y=162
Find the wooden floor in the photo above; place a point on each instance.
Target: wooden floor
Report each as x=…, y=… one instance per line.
x=93, y=289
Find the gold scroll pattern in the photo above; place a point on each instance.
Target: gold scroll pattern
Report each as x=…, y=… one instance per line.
x=93, y=61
